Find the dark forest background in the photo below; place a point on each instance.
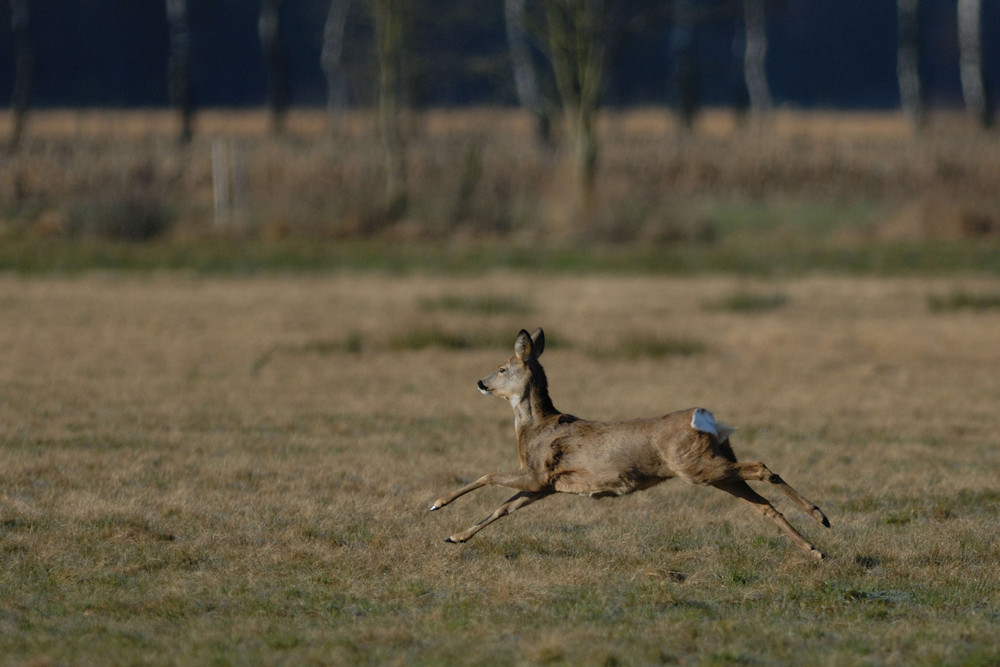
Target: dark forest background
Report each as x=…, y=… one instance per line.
x=821, y=54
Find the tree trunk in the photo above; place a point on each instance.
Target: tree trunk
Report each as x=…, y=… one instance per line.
x=577, y=45
x=269, y=31
x=755, y=56
x=330, y=58
x=908, y=60
x=525, y=76
x=682, y=46
x=390, y=32
x=179, y=66
x=24, y=69
x=971, y=60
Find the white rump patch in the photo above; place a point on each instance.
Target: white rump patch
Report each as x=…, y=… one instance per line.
x=704, y=421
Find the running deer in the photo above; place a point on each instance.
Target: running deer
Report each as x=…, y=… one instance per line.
x=560, y=453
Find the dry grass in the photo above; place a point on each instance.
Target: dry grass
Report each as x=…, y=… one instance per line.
x=162, y=503
x=479, y=173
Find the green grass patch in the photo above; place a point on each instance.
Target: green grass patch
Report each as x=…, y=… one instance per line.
x=433, y=336
x=750, y=221
x=648, y=346
x=353, y=343
x=963, y=300
x=482, y=304
x=764, y=257
x=749, y=302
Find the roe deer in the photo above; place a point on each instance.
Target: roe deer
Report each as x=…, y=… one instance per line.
x=560, y=453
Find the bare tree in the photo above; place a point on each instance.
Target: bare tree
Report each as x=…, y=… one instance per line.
x=24, y=66
x=330, y=57
x=269, y=31
x=390, y=37
x=755, y=56
x=971, y=61
x=577, y=47
x=179, y=65
x=908, y=60
x=683, y=47
x=525, y=75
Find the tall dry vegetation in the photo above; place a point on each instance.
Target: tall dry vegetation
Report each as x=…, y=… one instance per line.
x=198, y=470
x=480, y=173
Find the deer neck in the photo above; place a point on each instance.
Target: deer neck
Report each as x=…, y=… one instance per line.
x=531, y=407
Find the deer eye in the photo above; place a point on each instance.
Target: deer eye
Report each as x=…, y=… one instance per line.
x=501, y=370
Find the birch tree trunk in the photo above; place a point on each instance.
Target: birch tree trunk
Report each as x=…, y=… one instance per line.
x=908, y=60
x=330, y=58
x=525, y=75
x=755, y=56
x=269, y=31
x=179, y=66
x=24, y=69
x=971, y=61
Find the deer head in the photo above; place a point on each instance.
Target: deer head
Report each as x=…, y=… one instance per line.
x=511, y=379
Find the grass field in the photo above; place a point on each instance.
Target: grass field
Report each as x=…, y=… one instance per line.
x=236, y=470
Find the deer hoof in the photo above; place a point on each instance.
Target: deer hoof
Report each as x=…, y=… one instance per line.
x=818, y=555
x=435, y=506
x=453, y=540
x=817, y=514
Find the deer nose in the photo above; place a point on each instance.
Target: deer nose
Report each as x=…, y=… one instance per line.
x=482, y=387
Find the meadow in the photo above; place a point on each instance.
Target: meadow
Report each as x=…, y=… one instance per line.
x=221, y=431
x=217, y=469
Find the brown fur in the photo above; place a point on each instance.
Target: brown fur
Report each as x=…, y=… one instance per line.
x=559, y=453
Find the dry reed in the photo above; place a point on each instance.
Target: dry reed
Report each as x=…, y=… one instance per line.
x=479, y=173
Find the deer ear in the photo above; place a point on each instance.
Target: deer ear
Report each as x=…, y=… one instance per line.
x=523, y=346
x=538, y=342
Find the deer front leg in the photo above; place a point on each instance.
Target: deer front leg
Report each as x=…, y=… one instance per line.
x=514, y=503
x=522, y=480
x=743, y=491
x=757, y=471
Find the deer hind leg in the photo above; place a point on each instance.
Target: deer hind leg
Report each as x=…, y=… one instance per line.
x=514, y=503
x=742, y=490
x=759, y=472
x=523, y=480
